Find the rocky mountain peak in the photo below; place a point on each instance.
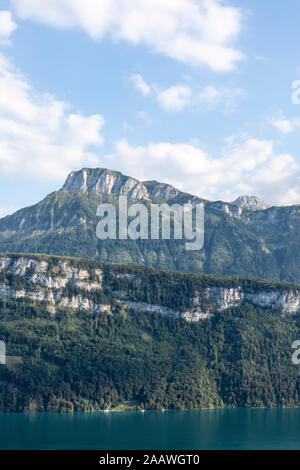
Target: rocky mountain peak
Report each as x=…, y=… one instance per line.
x=99, y=181
x=252, y=203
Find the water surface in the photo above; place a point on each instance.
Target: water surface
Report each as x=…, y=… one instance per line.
x=178, y=430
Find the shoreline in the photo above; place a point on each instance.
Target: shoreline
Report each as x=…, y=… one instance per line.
x=129, y=410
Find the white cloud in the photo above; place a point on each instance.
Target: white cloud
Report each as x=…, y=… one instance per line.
x=7, y=210
x=245, y=165
x=285, y=125
x=201, y=32
x=178, y=97
x=212, y=96
x=175, y=98
x=144, y=117
x=140, y=84
x=7, y=27
x=39, y=135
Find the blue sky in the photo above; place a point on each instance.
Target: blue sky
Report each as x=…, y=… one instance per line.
x=196, y=93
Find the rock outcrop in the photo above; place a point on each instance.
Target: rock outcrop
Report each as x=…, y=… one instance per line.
x=99, y=182
x=64, y=283
x=251, y=203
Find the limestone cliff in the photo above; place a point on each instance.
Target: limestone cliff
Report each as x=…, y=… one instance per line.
x=99, y=182
x=99, y=287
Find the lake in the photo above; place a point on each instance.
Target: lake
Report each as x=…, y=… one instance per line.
x=176, y=430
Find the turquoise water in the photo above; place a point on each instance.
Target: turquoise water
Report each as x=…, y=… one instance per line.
x=177, y=430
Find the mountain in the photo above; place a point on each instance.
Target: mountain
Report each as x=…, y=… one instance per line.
x=100, y=182
x=238, y=240
x=80, y=334
x=251, y=203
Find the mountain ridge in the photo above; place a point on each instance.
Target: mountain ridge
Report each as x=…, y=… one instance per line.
x=103, y=181
x=259, y=243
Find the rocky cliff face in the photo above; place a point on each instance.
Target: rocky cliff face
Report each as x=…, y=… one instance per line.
x=219, y=299
x=251, y=203
x=98, y=182
x=286, y=301
x=46, y=284
x=65, y=283
x=104, y=182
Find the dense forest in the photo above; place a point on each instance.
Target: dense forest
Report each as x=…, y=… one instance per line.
x=78, y=361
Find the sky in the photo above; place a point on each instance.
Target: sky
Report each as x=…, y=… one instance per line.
x=201, y=94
